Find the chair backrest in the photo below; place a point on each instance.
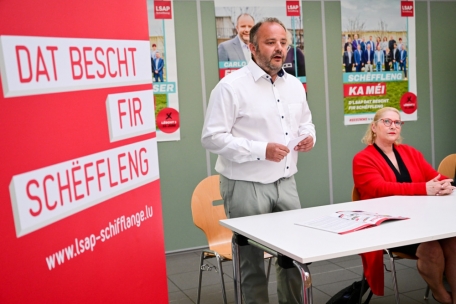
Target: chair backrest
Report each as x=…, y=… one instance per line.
x=447, y=166
x=355, y=194
x=206, y=216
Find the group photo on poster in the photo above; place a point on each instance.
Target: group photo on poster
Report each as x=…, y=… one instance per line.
x=378, y=59
x=164, y=69
x=234, y=19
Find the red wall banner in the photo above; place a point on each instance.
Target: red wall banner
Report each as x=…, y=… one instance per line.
x=162, y=10
x=80, y=202
x=407, y=8
x=293, y=8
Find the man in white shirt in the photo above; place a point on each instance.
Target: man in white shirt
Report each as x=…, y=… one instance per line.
x=253, y=114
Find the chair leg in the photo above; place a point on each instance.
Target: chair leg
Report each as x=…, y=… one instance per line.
x=393, y=274
x=360, y=301
x=200, y=277
x=369, y=297
x=426, y=294
x=219, y=263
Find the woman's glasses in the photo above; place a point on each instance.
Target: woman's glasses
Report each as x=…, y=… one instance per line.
x=387, y=122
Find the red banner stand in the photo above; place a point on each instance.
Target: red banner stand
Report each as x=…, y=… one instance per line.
x=80, y=205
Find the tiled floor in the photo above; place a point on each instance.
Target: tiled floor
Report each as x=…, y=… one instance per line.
x=328, y=278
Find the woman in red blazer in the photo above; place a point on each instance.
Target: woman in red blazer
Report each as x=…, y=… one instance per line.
x=385, y=168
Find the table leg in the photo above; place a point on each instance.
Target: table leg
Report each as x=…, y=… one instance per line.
x=236, y=270
x=284, y=261
x=306, y=291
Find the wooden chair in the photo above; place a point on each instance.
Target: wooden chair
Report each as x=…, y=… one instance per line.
x=447, y=166
x=393, y=256
x=206, y=216
x=355, y=195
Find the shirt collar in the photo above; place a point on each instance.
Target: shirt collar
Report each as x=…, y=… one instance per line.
x=258, y=72
x=243, y=45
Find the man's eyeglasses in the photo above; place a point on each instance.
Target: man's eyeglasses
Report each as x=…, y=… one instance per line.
x=387, y=122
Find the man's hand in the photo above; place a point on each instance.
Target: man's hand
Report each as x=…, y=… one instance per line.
x=305, y=145
x=276, y=152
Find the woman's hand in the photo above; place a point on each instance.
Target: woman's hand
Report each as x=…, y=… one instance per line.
x=436, y=187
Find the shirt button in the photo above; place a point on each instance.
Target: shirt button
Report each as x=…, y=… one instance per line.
x=288, y=167
x=286, y=133
x=278, y=100
x=282, y=116
x=258, y=158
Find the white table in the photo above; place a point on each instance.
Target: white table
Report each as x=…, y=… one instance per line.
x=431, y=218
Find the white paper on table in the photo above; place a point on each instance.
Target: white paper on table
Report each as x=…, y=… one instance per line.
x=334, y=224
x=348, y=221
x=293, y=143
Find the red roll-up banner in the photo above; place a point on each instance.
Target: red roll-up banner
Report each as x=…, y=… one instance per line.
x=80, y=205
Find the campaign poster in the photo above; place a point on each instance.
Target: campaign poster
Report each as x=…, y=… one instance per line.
x=378, y=58
x=163, y=63
x=235, y=18
x=80, y=205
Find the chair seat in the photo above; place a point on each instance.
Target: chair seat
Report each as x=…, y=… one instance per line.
x=404, y=256
x=223, y=249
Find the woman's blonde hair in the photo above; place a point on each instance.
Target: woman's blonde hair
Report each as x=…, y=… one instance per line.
x=369, y=137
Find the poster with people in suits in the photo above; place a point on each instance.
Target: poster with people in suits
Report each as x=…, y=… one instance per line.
x=235, y=18
x=378, y=58
x=164, y=69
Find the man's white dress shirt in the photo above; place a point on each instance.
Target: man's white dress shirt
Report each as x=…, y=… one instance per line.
x=246, y=112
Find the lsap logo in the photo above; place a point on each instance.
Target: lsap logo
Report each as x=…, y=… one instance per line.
x=407, y=8
x=163, y=8
x=292, y=8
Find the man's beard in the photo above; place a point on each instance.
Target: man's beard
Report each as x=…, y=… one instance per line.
x=267, y=64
